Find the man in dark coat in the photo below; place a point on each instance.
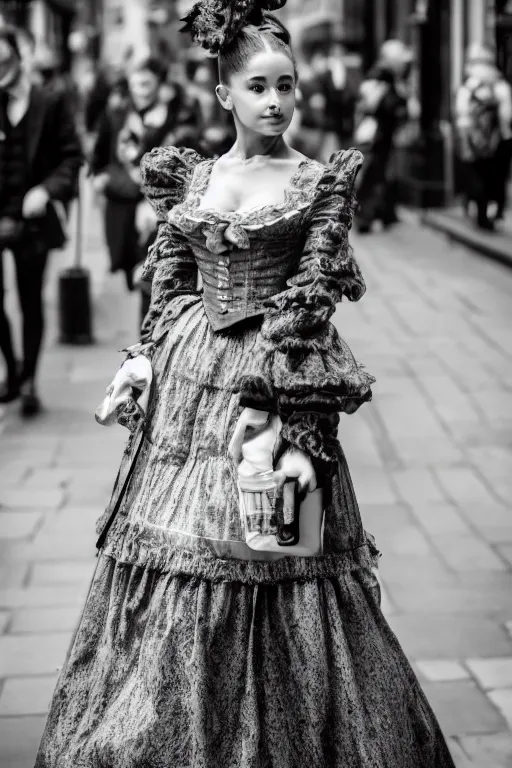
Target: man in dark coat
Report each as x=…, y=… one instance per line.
x=40, y=158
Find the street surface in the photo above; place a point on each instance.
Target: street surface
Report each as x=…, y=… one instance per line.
x=431, y=461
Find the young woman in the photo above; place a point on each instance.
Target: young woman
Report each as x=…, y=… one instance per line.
x=197, y=649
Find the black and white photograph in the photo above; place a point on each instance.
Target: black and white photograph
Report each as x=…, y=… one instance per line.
x=255, y=384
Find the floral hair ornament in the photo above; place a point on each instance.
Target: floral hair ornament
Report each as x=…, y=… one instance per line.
x=214, y=24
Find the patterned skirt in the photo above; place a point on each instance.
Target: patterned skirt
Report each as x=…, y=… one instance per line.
x=194, y=652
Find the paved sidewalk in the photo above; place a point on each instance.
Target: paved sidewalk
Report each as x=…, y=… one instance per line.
x=431, y=463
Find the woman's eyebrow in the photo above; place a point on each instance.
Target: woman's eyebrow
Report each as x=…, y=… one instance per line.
x=263, y=79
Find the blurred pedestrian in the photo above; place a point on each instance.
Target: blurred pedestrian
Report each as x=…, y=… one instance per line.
x=40, y=157
x=96, y=97
x=504, y=153
x=340, y=103
x=483, y=117
x=157, y=112
x=314, y=104
x=217, y=132
x=381, y=108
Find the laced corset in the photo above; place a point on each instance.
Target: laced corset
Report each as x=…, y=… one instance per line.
x=244, y=258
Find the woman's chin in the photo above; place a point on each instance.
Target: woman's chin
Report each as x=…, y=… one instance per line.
x=274, y=129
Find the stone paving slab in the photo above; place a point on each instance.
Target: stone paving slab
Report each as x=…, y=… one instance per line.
x=19, y=740
x=441, y=636
x=488, y=751
x=491, y=673
x=31, y=654
x=463, y=708
x=23, y=696
x=502, y=699
x=441, y=670
x=62, y=572
x=40, y=621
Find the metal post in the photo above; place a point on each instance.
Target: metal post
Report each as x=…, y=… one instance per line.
x=431, y=150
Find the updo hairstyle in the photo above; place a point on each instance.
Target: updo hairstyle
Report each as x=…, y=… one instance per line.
x=270, y=34
x=235, y=30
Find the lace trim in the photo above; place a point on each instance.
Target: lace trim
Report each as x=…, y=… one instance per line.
x=297, y=197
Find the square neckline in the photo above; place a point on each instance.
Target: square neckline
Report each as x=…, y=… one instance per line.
x=197, y=190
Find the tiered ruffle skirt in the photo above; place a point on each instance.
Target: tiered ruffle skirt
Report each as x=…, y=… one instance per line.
x=191, y=653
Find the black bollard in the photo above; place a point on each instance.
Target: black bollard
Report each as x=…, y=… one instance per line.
x=74, y=293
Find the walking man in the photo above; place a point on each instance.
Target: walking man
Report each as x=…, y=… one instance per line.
x=40, y=157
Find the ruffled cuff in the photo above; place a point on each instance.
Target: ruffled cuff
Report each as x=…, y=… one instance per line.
x=319, y=374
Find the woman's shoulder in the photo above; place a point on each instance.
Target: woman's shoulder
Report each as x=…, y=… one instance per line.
x=165, y=173
x=340, y=173
x=166, y=162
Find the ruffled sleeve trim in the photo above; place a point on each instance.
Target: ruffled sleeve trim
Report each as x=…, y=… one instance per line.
x=301, y=367
x=166, y=173
x=327, y=270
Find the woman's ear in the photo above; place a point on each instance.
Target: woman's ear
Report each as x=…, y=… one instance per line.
x=224, y=97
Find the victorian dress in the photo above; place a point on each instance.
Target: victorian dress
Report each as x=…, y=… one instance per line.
x=193, y=651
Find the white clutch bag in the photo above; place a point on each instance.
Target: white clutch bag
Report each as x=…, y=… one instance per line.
x=275, y=515
x=131, y=387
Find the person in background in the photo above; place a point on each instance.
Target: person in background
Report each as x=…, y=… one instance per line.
x=40, y=158
x=217, y=132
x=380, y=109
x=483, y=117
x=158, y=112
x=313, y=104
x=96, y=97
x=504, y=153
x=340, y=102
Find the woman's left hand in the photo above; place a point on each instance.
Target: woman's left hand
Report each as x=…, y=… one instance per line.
x=294, y=463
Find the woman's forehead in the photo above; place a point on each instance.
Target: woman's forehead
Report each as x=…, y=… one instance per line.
x=270, y=65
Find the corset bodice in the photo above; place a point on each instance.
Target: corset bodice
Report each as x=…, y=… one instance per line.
x=244, y=258
x=237, y=282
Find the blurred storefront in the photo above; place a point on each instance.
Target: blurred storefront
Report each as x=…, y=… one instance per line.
x=439, y=31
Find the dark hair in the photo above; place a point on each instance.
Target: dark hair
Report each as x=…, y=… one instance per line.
x=269, y=34
x=150, y=64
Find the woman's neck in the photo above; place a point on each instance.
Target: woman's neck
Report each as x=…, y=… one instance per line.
x=246, y=146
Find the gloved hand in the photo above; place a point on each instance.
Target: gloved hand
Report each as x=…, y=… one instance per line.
x=134, y=376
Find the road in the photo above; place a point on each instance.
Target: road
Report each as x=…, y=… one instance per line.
x=431, y=464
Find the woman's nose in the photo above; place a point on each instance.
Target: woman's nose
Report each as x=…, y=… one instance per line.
x=274, y=102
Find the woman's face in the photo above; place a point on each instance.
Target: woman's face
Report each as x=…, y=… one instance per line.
x=144, y=86
x=263, y=94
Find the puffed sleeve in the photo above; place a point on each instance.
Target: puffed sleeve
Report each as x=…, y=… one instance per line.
x=303, y=369
x=170, y=264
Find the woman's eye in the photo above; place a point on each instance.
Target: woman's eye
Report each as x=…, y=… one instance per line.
x=257, y=88
x=285, y=88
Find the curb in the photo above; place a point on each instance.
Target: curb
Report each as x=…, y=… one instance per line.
x=497, y=246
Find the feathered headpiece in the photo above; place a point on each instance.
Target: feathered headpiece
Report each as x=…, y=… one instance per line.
x=215, y=23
